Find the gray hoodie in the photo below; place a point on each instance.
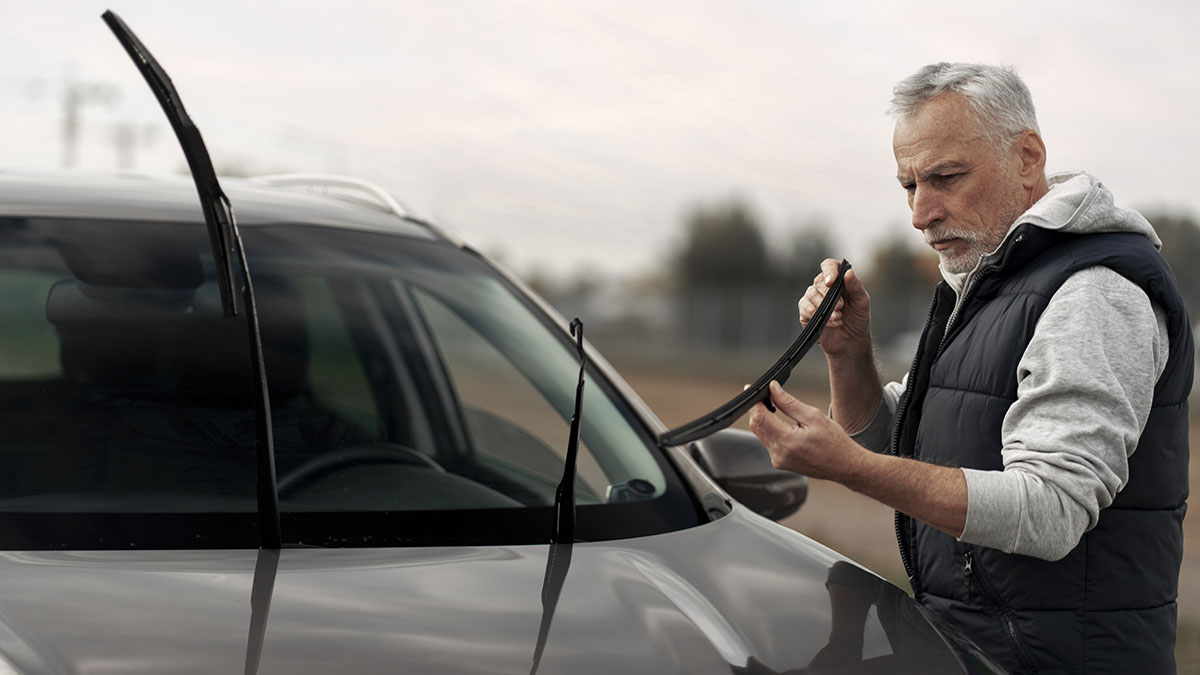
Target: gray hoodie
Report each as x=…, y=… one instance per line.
x=1085, y=384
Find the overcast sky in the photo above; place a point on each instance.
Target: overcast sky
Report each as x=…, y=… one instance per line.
x=575, y=135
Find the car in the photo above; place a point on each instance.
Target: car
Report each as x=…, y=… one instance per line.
x=331, y=436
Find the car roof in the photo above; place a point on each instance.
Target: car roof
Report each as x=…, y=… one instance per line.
x=174, y=199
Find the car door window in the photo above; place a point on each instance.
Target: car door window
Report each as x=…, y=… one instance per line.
x=510, y=424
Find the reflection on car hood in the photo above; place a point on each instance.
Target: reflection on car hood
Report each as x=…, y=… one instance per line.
x=739, y=595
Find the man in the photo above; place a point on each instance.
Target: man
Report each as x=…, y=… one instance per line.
x=1056, y=346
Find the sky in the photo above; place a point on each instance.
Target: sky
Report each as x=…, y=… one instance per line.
x=570, y=137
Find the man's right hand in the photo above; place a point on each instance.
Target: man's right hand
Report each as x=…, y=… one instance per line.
x=848, y=331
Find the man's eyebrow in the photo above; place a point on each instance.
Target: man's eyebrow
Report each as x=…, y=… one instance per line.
x=940, y=169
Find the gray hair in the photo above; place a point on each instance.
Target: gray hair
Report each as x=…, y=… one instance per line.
x=1000, y=100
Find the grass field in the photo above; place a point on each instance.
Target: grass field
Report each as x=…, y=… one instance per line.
x=862, y=528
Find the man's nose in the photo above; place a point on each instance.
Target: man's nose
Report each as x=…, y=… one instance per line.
x=926, y=207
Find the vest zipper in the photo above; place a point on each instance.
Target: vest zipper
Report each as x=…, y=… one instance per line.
x=900, y=520
x=1007, y=620
x=973, y=281
x=968, y=560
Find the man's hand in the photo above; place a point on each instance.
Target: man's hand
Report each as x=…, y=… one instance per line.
x=849, y=328
x=854, y=384
x=814, y=446
x=817, y=447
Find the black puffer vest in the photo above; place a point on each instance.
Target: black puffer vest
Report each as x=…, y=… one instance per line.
x=1109, y=605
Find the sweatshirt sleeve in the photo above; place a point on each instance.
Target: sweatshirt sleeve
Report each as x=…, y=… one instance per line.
x=877, y=435
x=1084, y=390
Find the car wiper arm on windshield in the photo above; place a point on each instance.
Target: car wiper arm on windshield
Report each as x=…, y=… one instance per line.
x=226, y=243
x=558, y=560
x=564, y=496
x=218, y=214
x=729, y=413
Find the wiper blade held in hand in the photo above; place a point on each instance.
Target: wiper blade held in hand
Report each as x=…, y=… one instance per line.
x=728, y=413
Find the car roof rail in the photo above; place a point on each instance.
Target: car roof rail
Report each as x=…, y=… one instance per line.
x=325, y=183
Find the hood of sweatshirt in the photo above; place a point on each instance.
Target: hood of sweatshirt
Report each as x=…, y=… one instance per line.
x=1077, y=202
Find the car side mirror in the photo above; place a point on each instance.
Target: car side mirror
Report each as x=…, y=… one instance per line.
x=740, y=464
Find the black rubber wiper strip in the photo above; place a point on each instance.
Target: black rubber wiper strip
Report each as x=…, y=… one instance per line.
x=226, y=244
x=729, y=413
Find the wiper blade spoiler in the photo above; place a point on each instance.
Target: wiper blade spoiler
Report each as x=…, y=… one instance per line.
x=217, y=213
x=729, y=413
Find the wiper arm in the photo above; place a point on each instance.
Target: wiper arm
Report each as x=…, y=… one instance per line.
x=564, y=496
x=728, y=413
x=226, y=243
x=218, y=214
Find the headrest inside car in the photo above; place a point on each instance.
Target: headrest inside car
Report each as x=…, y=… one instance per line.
x=157, y=343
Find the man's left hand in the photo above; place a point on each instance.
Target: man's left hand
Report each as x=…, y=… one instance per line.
x=818, y=448
x=814, y=446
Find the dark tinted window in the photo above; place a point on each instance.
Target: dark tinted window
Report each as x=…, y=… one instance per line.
x=415, y=398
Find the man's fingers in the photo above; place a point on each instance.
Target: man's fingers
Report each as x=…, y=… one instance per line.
x=829, y=270
x=792, y=406
x=808, y=303
x=766, y=425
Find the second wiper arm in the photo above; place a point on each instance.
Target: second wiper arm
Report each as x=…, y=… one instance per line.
x=564, y=496
x=728, y=413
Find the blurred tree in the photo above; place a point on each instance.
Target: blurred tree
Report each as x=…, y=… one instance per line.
x=723, y=247
x=1180, y=234
x=810, y=244
x=900, y=282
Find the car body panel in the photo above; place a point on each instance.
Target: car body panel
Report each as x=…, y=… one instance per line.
x=684, y=602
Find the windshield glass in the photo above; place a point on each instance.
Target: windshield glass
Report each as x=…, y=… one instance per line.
x=416, y=397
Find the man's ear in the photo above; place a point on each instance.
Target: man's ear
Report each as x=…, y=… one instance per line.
x=1030, y=157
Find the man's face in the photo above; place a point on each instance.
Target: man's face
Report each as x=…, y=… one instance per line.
x=964, y=194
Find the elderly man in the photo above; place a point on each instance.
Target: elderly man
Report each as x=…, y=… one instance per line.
x=1037, y=451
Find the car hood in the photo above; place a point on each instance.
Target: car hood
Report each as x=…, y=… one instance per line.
x=740, y=595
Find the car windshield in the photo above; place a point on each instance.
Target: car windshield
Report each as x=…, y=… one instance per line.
x=417, y=398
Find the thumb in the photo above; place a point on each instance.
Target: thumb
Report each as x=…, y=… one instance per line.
x=853, y=286
x=792, y=406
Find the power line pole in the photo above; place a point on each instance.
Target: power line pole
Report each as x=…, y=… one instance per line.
x=128, y=137
x=75, y=96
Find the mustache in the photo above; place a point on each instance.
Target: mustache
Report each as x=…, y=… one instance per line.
x=942, y=232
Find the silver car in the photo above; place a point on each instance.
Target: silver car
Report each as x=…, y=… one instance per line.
x=329, y=437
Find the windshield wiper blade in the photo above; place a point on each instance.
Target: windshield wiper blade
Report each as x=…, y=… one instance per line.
x=733, y=409
x=226, y=243
x=218, y=214
x=564, y=496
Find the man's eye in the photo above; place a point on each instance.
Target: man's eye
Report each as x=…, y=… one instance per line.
x=946, y=178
